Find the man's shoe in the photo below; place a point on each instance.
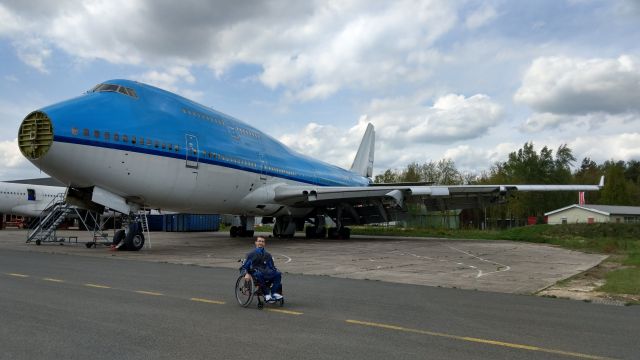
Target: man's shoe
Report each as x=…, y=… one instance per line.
x=267, y=297
x=277, y=296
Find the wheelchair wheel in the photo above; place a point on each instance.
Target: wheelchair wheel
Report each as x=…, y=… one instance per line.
x=244, y=291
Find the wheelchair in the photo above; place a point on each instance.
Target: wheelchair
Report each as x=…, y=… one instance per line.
x=246, y=290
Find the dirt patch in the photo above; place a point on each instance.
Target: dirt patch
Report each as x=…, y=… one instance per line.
x=584, y=286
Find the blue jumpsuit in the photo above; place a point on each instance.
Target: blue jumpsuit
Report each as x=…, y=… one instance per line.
x=259, y=264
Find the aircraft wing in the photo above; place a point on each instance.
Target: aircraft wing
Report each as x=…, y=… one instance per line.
x=436, y=197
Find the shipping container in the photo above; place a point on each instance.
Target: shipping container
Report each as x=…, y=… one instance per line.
x=191, y=222
x=156, y=222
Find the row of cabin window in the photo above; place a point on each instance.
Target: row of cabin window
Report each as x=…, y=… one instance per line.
x=125, y=138
x=248, y=132
x=203, y=116
x=220, y=122
x=212, y=155
x=280, y=171
x=24, y=194
x=217, y=156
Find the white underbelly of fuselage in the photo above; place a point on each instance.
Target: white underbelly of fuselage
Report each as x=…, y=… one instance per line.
x=161, y=182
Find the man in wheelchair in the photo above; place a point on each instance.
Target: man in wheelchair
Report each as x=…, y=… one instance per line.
x=259, y=265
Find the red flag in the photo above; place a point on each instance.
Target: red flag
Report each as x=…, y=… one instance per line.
x=581, y=198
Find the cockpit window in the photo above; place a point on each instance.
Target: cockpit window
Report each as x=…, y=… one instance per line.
x=115, y=88
x=131, y=92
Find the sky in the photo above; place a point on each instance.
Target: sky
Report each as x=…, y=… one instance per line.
x=469, y=81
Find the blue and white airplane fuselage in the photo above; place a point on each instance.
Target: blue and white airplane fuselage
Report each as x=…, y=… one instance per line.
x=165, y=151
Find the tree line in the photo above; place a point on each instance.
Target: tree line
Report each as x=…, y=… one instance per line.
x=526, y=166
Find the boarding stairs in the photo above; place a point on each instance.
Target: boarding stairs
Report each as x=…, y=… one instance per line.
x=49, y=220
x=44, y=227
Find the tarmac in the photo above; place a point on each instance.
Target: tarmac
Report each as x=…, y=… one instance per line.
x=484, y=265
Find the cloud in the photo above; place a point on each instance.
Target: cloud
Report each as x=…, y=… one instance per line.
x=9, y=23
x=33, y=52
x=170, y=78
x=15, y=166
x=602, y=122
x=328, y=143
x=624, y=146
x=13, y=112
x=310, y=49
x=564, y=85
x=481, y=17
x=538, y=122
x=473, y=159
x=405, y=129
x=451, y=118
x=10, y=154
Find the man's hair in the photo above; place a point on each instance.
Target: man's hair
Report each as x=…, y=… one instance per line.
x=260, y=237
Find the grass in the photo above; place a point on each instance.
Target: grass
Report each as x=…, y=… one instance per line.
x=623, y=281
x=601, y=238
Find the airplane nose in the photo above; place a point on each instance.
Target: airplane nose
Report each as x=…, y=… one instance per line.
x=35, y=135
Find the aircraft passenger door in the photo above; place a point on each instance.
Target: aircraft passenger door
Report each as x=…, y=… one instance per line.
x=191, y=147
x=262, y=165
x=31, y=195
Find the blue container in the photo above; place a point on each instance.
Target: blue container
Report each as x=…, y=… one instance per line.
x=191, y=222
x=156, y=222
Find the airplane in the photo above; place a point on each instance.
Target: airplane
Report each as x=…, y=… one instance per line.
x=127, y=145
x=27, y=199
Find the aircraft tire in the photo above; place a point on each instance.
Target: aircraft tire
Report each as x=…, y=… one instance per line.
x=136, y=243
x=135, y=239
x=233, y=231
x=345, y=233
x=310, y=232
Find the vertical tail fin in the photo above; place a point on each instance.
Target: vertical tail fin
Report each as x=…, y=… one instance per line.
x=363, y=163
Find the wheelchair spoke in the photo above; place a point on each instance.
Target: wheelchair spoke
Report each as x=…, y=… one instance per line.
x=244, y=291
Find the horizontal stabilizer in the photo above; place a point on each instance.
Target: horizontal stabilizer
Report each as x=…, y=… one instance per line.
x=363, y=163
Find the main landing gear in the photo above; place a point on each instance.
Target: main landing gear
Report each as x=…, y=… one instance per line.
x=312, y=232
x=319, y=231
x=131, y=239
x=237, y=231
x=245, y=229
x=286, y=226
x=339, y=233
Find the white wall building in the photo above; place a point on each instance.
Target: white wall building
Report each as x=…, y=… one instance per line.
x=594, y=214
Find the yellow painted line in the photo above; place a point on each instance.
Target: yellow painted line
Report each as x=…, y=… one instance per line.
x=18, y=275
x=98, y=286
x=285, y=311
x=148, y=293
x=478, y=340
x=208, y=301
x=53, y=280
